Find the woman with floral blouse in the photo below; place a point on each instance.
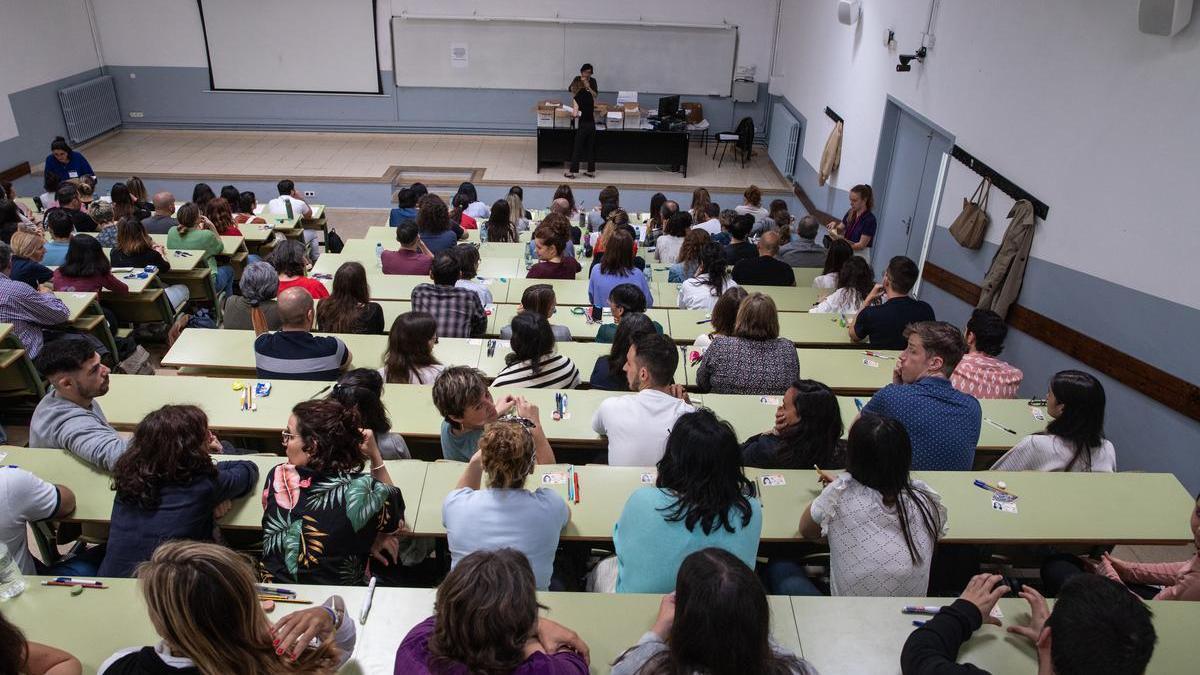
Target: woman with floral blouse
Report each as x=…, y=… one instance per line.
x=323, y=517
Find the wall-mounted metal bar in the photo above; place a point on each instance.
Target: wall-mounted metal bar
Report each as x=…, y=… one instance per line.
x=1005, y=185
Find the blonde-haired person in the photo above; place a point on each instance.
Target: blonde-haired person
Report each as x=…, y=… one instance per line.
x=516, y=213
x=754, y=359
x=505, y=514
x=203, y=603
x=28, y=251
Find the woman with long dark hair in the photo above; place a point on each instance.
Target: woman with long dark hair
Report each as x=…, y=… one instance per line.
x=609, y=371
x=616, y=268
x=711, y=280
x=699, y=500
x=434, y=225
x=688, y=260
x=668, y=245
x=458, y=212
x=808, y=431
x=855, y=282
x=362, y=390
x=219, y=212
x=723, y=321
x=87, y=269
x=409, y=357
x=201, y=195
x=134, y=248
x=623, y=300
x=1074, y=439
x=123, y=205
x=534, y=361
x=349, y=308
x=717, y=621
x=882, y=524
x=564, y=191
x=168, y=487
x=474, y=208
x=837, y=255
x=499, y=224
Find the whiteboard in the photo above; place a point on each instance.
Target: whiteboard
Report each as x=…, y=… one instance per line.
x=292, y=45
x=546, y=54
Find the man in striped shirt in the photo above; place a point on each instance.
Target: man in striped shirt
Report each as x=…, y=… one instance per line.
x=980, y=373
x=26, y=309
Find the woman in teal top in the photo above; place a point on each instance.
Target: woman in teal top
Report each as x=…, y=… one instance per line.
x=190, y=236
x=624, y=299
x=700, y=500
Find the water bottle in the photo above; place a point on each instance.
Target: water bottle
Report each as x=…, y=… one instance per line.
x=12, y=582
x=379, y=255
x=650, y=271
x=528, y=256
x=483, y=232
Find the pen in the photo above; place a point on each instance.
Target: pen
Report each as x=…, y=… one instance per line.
x=73, y=580
x=918, y=624
x=366, y=606
x=858, y=404
x=268, y=590
x=66, y=584
x=878, y=355
x=921, y=609
x=575, y=476
x=279, y=598
x=703, y=321
x=985, y=486
x=570, y=483
x=998, y=425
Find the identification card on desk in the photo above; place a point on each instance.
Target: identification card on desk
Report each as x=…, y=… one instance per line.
x=773, y=479
x=649, y=478
x=554, y=478
x=1006, y=507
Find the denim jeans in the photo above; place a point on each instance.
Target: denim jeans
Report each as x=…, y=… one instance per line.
x=223, y=281
x=787, y=577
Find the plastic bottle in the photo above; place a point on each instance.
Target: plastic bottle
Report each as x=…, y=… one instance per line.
x=379, y=255
x=12, y=582
x=482, y=232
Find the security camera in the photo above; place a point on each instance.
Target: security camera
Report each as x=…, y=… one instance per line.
x=907, y=59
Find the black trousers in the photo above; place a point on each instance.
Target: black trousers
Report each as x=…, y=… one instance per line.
x=585, y=148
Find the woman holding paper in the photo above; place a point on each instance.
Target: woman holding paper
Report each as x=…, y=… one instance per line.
x=584, y=109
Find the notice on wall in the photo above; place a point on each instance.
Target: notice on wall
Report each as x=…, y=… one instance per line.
x=459, y=55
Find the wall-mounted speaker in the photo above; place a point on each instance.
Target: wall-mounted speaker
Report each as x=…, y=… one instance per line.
x=1164, y=17
x=849, y=11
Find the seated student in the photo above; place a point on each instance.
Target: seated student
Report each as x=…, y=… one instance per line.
x=168, y=487
x=724, y=319
x=292, y=265
x=942, y=422
x=349, y=308
x=752, y=205
x=711, y=222
x=616, y=268
x=855, y=282
x=474, y=208
x=409, y=357
x=191, y=235
x=433, y=225
x=739, y=247
x=608, y=373
x=468, y=263
x=666, y=247
x=539, y=299
x=534, y=362
x=499, y=226
x=837, y=255
x=412, y=257
x=247, y=203
x=753, y=359
x=505, y=514
x=458, y=204
x=636, y=425
x=1168, y=580
x=163, y=218
x=1096, y=626
x=61, y=229
x=883, y=326
x=326, y=448
x=28, y=251
x=766, y=269
x=882, y=524
x=69, y=417
x=361, y=389
x=807, y=432
x=50, y=185
x=123, y=205
x=554, y=250
x=203, y=602
x=615, y=219
x=135, y=248
x=699, y=500
x=711, y=280
x=289, y=202
x=1074, y=439
x=220, y=214
x=712, y=583
x=405, y=209
x=293, y=352
x=106, y=224
x=32, y=658
x=70, y=202
x=461, y=396
x=485, y=619
x=24, y=499
x=25, y=309
x=688, y=262
x=256, y=307
x=980, y=373
x=623, y=299
x=87, y=269
x=458, y=311
x=802, y=250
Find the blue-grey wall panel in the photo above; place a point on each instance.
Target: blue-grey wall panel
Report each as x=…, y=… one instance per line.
x=39, y=119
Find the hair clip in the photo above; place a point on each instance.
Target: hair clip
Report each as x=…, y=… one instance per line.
x=517, y=419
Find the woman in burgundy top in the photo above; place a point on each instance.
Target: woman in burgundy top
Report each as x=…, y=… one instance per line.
x=86, y=269
x=858, y=225
x=485, y=619
x=549, y=241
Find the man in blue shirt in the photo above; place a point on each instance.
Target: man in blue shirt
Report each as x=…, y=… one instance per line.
x=942, y=422
x=293, y=352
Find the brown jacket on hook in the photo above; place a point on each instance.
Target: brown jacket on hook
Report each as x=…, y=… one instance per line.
x=1002, y=283
x=831, y=157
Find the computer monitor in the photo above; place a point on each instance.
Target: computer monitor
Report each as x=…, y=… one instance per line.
x=668, y=106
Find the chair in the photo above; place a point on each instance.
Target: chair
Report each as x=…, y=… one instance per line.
x=742, y=141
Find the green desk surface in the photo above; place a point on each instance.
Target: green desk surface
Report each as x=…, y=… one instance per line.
x=400, y=286
x=387, y=234
x=364, y=249
x=584, y=354
x=608, y=623
x=804, y=329
x=566, y=291
x=578, y=323
x=94, y=497
x=5, y=329
x=787, y=298
x=232, y=243
x=845, y=636
x=77, y=304
x=842, y=370
x=135, y=285
x=180, y=261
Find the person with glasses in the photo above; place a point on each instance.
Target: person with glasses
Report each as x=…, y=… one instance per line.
x=505, y=514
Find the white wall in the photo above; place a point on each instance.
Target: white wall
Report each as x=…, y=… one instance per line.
x=40, y=42
x=1066, y=98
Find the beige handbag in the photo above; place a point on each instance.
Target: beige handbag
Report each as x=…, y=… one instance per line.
x=971, y=225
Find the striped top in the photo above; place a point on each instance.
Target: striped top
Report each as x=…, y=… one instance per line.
x=556, y=372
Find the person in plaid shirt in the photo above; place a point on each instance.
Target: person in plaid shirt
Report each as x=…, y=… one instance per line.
x=26, y=309
x=458, y=311
x=980, y=373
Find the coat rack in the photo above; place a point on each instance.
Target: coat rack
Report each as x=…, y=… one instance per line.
x=1005, y=185
x=834, y=116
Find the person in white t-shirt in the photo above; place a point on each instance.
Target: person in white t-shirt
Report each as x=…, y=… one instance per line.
x=278, y=206
x=752, y=206
x=1074, y=439
x=24, y=499
x=712, y=224
x=637, y=425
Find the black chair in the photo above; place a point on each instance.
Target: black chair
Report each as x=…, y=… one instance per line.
x=742, y=141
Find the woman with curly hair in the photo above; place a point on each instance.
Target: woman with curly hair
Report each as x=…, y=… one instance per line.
x=323, y=516
x=168, y=487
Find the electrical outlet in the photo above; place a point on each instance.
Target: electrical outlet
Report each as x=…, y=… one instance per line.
x=136, y=114
x=310, y=193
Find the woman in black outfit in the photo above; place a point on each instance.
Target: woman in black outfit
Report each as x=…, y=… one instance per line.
x=585, y=125
x=349, y=308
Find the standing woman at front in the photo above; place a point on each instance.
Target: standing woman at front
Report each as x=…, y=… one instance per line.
x=857, y=227
x=585, y=123
x=65, y=163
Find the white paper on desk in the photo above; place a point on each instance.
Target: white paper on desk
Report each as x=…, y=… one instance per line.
x=627, y=97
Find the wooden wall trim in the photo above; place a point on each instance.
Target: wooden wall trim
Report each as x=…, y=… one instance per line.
x=15, y=172
x=1175, y=393
x=822, y=217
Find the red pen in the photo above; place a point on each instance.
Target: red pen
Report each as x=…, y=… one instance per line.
x=576, y=475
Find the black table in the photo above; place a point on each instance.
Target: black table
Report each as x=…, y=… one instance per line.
x=617, y=146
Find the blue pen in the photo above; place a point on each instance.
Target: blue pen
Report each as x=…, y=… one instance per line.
x=918, y=624
x=858, y=404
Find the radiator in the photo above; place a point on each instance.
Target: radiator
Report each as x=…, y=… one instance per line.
x=783, y=140
x=90, y=108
